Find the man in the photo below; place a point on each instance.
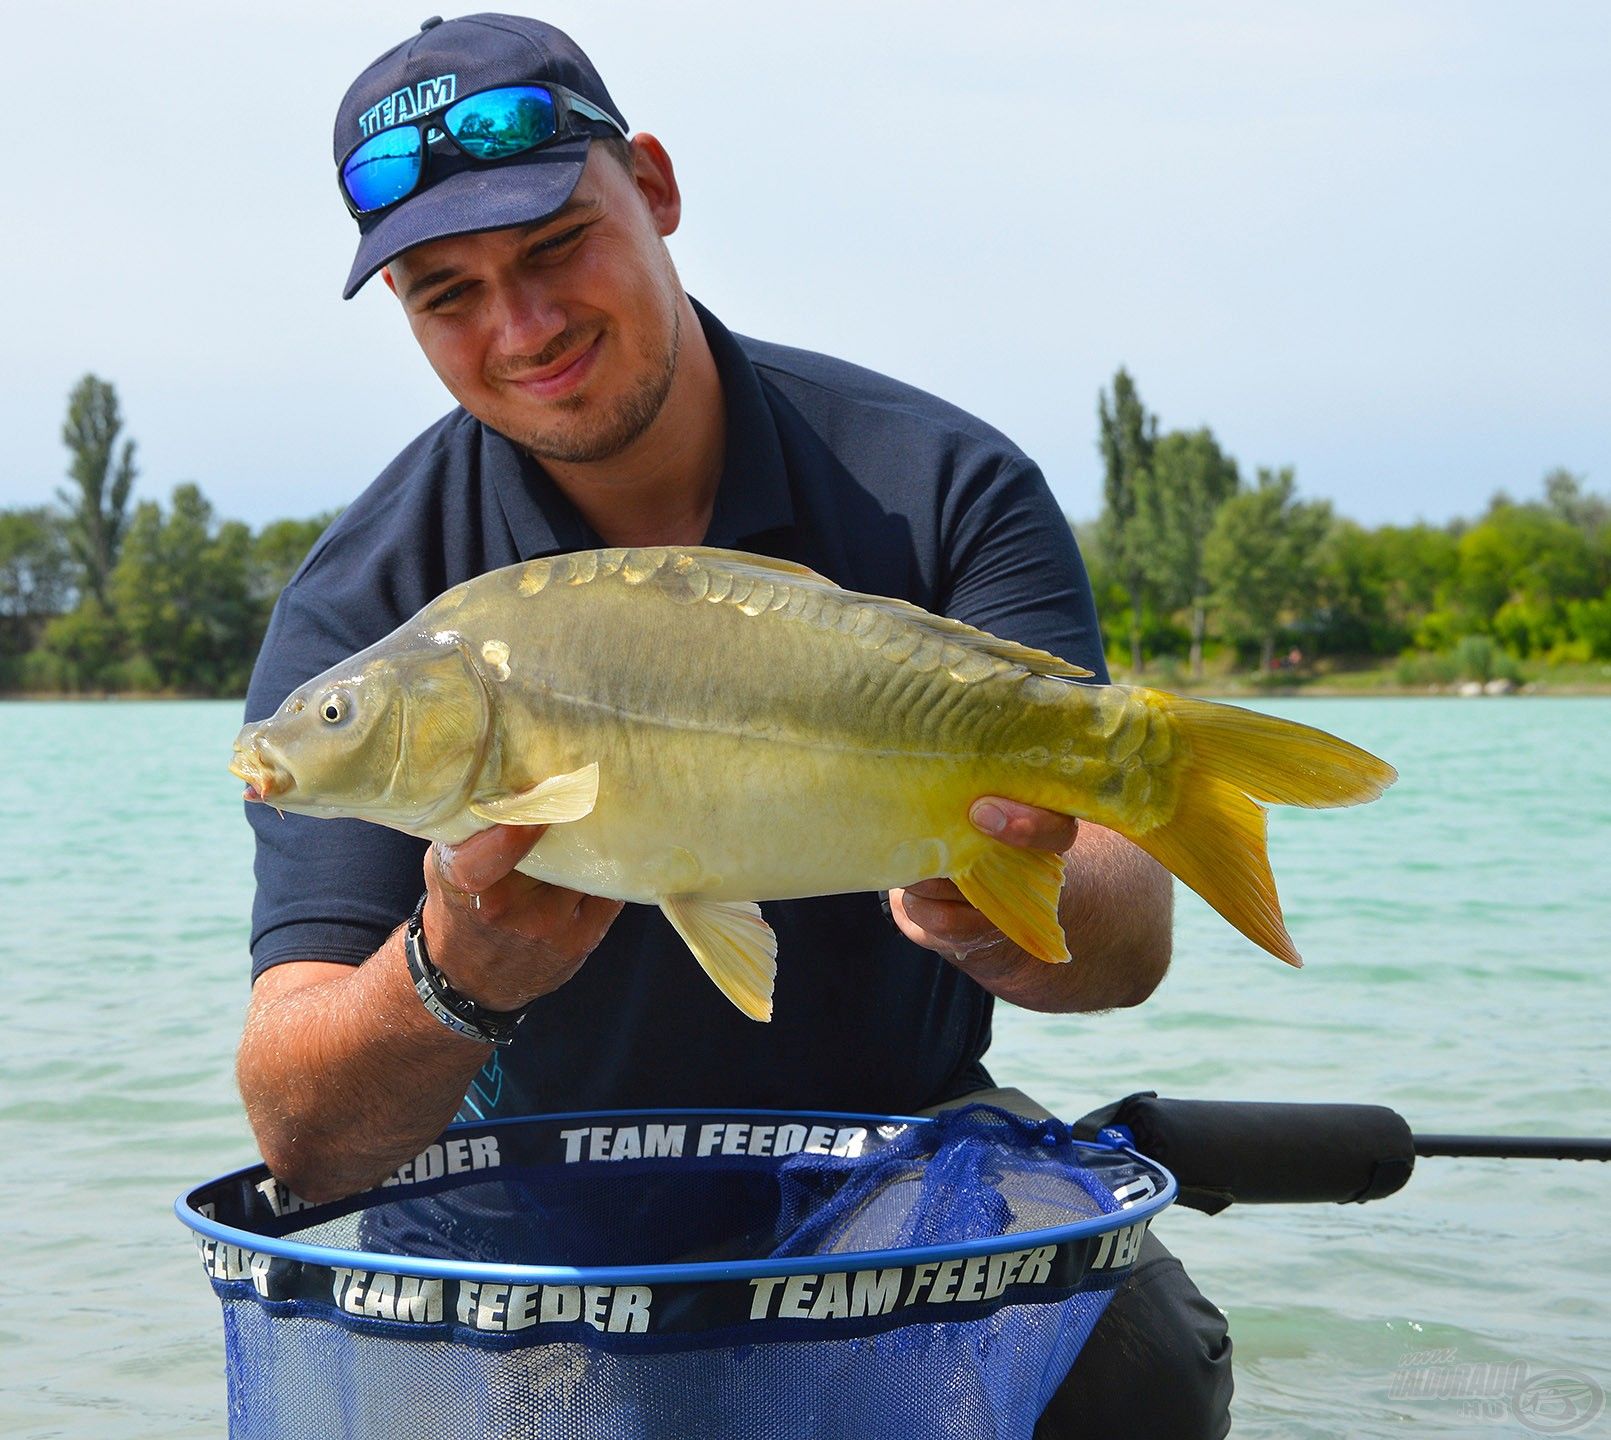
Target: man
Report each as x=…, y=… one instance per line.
x=499, y=198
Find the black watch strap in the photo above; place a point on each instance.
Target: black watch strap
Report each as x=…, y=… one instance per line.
x=459, y=1013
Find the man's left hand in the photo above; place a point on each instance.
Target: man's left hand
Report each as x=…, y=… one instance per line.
x=933, y=914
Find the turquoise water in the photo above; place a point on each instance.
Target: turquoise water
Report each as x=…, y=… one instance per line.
x=1456, y=939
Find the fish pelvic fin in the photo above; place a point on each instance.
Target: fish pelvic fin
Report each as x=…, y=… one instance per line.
x=1018, y=892
x=733, y=945
x=550, y=802
x=1232, y=762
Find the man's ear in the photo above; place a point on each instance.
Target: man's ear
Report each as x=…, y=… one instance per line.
x=656, y=182
x=386, y=275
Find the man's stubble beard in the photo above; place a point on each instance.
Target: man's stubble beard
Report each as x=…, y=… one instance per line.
x=623, y=422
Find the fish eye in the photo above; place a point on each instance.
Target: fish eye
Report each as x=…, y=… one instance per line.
x=333, y=708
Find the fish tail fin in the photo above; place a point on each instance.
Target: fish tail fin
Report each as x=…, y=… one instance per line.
x=1229, y=763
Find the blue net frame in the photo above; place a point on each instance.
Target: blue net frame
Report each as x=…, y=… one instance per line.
x=796, y=1275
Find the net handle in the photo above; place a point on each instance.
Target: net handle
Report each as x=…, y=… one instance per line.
x=1516, y=1147
x=1260, y=1152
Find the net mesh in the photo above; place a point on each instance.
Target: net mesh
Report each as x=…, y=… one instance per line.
x=903, y=1343
x=306, y=1378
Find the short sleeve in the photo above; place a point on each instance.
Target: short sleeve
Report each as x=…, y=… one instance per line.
x=326, y=889
x=1013, y=567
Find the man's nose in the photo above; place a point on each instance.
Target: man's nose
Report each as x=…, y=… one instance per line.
x=529, y=319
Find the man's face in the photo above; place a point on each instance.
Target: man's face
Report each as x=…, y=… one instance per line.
x=561, y=335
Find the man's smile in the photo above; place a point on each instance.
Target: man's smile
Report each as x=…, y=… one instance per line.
x=562, y=376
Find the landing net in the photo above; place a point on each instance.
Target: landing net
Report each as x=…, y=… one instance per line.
x=618, y=1275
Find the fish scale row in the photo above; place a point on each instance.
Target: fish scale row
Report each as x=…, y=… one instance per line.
x=1111, y=732
x=907, y=638
x=1131, y=737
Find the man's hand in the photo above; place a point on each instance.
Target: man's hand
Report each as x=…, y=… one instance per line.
x=502, y=938
x=1117, y=910
x=933, y=913
x=345, y=1074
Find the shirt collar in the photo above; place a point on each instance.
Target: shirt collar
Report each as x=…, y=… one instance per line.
x=751, y=499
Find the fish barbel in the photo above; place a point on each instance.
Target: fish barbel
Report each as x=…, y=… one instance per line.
x=705, y=729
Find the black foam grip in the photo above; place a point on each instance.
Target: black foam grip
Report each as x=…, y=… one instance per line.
x=1262, y=1153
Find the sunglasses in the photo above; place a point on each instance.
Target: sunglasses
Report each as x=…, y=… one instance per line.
x=489, y=126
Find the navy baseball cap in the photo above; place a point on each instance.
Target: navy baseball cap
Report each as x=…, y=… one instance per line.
x=447, y=60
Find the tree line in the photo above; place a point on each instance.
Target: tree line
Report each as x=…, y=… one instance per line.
x=1188, y=559
x=1188, y=555
x=100, y=595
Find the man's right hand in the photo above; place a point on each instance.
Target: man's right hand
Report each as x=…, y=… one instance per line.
x=502, y=938
x=345, y=1074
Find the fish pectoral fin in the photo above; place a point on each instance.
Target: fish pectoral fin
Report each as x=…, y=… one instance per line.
x=550, y=802
x=1018, y=892
x=733, y=944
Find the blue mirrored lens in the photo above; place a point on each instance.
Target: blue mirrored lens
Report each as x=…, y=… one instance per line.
x=384, y=168
x=503, y=122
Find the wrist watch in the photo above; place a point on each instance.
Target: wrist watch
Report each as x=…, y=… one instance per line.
x=458, y=1012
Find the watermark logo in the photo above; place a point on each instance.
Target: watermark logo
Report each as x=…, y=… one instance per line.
x=1545, y=1402
x=1558, y=1402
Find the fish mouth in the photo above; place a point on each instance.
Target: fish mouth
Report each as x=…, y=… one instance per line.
x=265, y=781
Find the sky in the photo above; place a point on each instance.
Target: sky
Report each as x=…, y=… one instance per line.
x=1368, y=240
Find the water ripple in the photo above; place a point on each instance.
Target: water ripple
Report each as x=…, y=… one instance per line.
x=1456, y=940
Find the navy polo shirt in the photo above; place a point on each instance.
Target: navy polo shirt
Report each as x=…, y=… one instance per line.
x=876, y=485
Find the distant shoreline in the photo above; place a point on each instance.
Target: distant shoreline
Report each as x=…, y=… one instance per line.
x=101, y=697
x=1322, y=691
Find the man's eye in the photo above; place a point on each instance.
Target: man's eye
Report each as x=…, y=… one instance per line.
x=447, y=297
x=558, y=242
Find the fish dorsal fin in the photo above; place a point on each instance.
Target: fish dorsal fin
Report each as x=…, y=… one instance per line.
x=981, y=642
x=553, y=801
x=671, y=567
x=749, y=561
x=733, y=943
x=875, y=620
x=760, y=583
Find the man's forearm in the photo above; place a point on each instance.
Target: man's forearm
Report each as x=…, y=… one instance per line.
x=1118, y=914
x=344, y=1073
x=346, y=1077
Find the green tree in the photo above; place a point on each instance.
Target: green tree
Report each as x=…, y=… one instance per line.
x=1128, y=525
x=81, y=650
x=1351, y=588
x=181, y=593
x=1590, y=621
x=1517, y=569
x=1191, y=477
x=279, y=548
x=102, y=476
x=1419, y=562
x=1375, y=588
x=1260, y=556
x=1565, y=496
x=35, y=576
